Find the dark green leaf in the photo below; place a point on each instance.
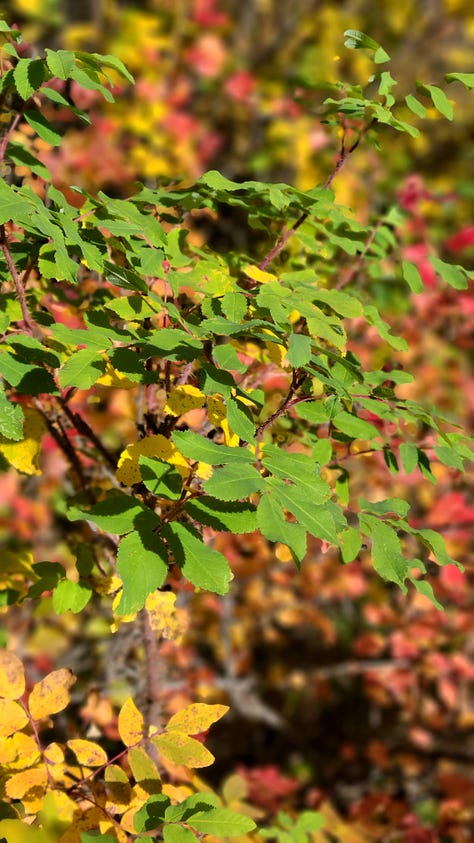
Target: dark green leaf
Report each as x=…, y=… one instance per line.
x=240, y=420
x=82, y=370
x=225, y=516
x=203, y=567
x=234, y=482
x=387, y=557
x=118, y=514
x=43, y=127
x=152, y=814
x=29, y=75
x=199, y=448
x=122, y=277
x=161, y=479
x=317, y=520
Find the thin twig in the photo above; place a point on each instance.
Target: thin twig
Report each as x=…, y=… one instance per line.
x=17, y=281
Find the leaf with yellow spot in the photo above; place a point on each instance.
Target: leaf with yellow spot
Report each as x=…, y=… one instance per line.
x=88, y=753
x=216, y=410
x=259, y=275
x=12, y=676
x=13, y=718
x=179, y=748
x=164, y=618
x=51, y=694
x=184, y=398
x=196, y=718
x=156, y=445
x=19, y=751
x=203, y=471
x=131, y=724
x=24, y=455
x=28, y=784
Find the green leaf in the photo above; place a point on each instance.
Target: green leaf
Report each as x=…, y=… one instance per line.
x=133, y=307
x=317, y=520
x=43, y=127
x=299, y=468
x=356, y=40
x=173, y=833
x=23, y=158
x=221, y=822
x=440, y=101
x=199, y=448
x=408, y=456
x=415, y=106
x=12, y=204
x=354, y=427
x=351, y=544
x=203, y=567
x=299, y=350
x=11, y=418
x=412, y=276
x=455, y=276
x=389, y=506
x=113, y=62
x=71, y=596
x=126, y=278
x=234, y=305
x=152, y=813
x=118, y=514
x=387, y=557
x=240, y=420
x=142, y=564
x=190, y=805
x=82, y=369
x=227, y=358
x=373, y=318
x=466, y=79
x=223, y=516
x=29, y=75
x=273, y=525
x=160, y=478
x=60, y=62
x=425, y=588
x=234, y=482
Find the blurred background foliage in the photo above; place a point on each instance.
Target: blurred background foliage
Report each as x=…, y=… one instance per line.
x=341, y=689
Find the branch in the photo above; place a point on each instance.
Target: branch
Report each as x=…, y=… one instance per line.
x=17, y=281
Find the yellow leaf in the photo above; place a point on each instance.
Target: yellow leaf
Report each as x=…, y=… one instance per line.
x=230, y=438
x=196, y=718
x=63, y=774
x=216, y=410
x=276, y=352
x=179, y=748
x=257, y=274
x=184, y=398
x=113, y=378
x=128, y=471
x=18, y=831
x=87, y=821
x=19, y=751
x=88, y=753
x=12, y=676
x=29, y=783
x=12, y=717
x=119, y=791
x=203, y=471
x=131, y=724
x=51, y=694
x=145, y=773
x=24, y=455
x=163, y=615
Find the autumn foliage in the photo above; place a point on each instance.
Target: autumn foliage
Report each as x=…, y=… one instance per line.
x=233, y=436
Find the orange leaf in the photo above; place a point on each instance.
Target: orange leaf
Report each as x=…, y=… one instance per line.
x=51, y=694
x=196, y=718
x=131, y=724
x=88, y=753
x=12, y=676
x=12, y=717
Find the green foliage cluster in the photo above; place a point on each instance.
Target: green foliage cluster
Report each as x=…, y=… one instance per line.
x=161, y=316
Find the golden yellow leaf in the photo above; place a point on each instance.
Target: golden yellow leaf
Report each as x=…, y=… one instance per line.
x=131, y=724
x=12, y=676
x=179, y=748
x=51, y=694
x=156, y=445
x=88, y=753
x=87, y=821
x=24, y=455
x=31, y=783
x=203, y=471
x=12, y=717
x=184, y=398
x=62, y=773
x=276, y=353
x=164, y=617
x=216, y=410
x=113, y=378
x=230, y=438
x=257, y=274
x=196, y=718
x=19, y=751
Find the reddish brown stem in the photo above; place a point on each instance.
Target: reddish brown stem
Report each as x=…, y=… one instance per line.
x=17, y=281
